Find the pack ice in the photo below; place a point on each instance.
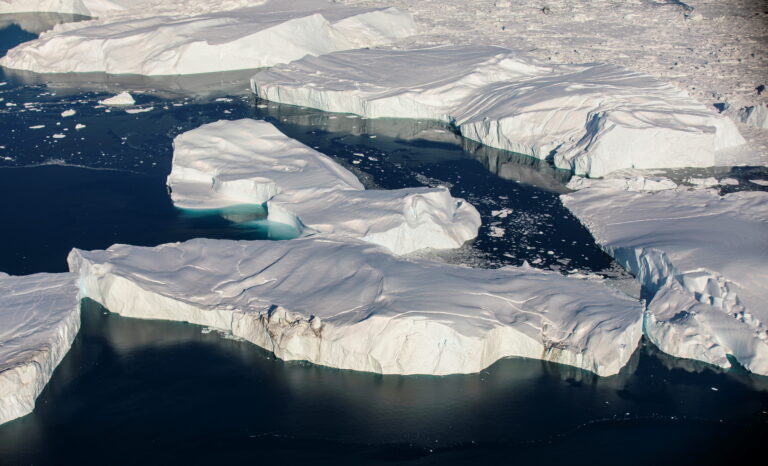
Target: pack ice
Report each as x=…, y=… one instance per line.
x=701, y=255
x=168, y=44
x=591, y=119
x=250, y=162
x=352, y=305
x=39, y=318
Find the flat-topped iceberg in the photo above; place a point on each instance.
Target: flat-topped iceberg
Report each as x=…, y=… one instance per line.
x=701, y=255
x=39, y=318
x=167, y=44
x=246, y=161
x=352, y=305
x=591, y=119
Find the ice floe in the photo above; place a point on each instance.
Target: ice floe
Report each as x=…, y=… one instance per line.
x=702, y=257
x=250, y=162
x=39, y=318
x=352, y=305
x=167, y=44
x=591, y=119
x=123, y=98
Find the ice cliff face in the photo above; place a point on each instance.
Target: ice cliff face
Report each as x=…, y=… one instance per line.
x=591, y=119
x=251, y=162
x=39, y=318
x=351, y=305
x=187, y=43
x=702, y=256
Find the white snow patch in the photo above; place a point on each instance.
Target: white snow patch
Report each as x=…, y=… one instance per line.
x=39, y=318
x=352, y=305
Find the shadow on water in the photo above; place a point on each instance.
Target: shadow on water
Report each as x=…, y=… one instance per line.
x=156, y=391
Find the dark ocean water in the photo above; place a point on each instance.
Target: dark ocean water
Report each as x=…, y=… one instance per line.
x=154, y=392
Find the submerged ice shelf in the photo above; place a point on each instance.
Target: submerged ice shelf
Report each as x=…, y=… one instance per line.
x=39, y=318
x=352, y=305
x=250, y=162
x=591, y=119
x=173, y=44
x=701, y=255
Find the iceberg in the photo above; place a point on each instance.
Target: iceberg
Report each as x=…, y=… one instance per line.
x=591, y=119
x=121, y=99
x=348, y=304
x=227, y=163
x=169, y=44
x=701, y=256
x=39, y=318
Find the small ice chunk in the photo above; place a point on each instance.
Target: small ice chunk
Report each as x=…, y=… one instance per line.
x=123, y=98
x=59, y=136
x=37, y=127
x=68, y=113
x=139, y=110
x=79, y=126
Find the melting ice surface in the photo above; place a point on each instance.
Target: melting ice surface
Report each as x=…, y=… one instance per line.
x=129, y=383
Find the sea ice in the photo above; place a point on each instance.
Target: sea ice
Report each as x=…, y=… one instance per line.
x=39, y=318
x=167, y=44
x=250, y=162
x=702, y=257
x=591, y=119
x=123, y=98
x=348, y=304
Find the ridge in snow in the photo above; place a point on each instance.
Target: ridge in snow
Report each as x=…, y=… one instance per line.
x=591, y=119
x=174, y=44
x=39, y=318
x=702, y=256
x=352, y=305
x=250, y=162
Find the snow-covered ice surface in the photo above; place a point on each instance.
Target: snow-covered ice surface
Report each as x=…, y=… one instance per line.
x=39, y=318
x=351, y=305
x=250, y=162
x=183, y=43
x=591, y=119
x=702, y=256
x=716, y=52
x=123, y=8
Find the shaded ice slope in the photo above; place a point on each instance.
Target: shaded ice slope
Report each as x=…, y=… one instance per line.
x=39, y=318
x=702, y=256
x=351, y=305
x=250, y=162
x=592, y=119
x=125, y=8
x=168, y=44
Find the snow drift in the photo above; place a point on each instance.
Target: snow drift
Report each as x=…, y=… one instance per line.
x=39, y=318
x=352, y=305
x=591, y=119
x=246, y=161
x=702, y=256
x=168, y=44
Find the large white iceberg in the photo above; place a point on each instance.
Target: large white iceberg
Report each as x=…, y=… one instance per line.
x=702, y=257
x=39, y=318
x=103, y=8
x=592, y=119
x=250, y=162
x=167, y=44
x=352, y=305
